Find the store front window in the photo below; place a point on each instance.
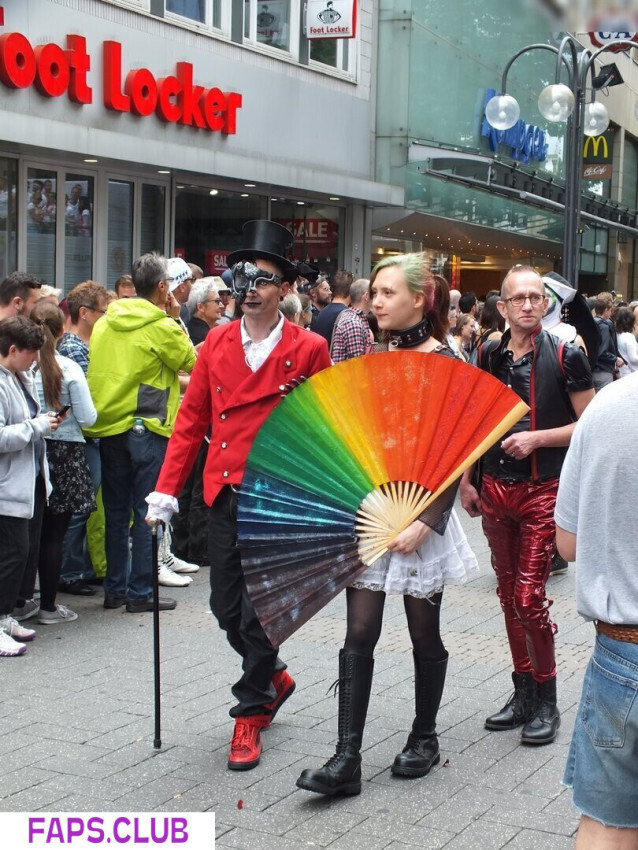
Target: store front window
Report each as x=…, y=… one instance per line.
x=201, y=11
x=268, y=22
x=152, y=223
x=120, y=230
x=42, y=210
x=209, y=222
x=316, y=229
x=338, y=53
x=8, y=210
x=78, y=228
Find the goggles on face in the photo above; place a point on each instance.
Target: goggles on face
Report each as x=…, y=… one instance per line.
x=247, y=277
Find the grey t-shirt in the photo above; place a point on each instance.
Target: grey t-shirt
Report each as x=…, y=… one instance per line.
x=595, y=501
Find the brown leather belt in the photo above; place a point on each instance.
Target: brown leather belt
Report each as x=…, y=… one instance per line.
x=628, y=634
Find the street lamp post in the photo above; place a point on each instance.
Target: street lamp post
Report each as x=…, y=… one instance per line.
x=563, y=103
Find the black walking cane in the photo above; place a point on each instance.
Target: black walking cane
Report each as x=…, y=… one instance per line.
x=157, y=741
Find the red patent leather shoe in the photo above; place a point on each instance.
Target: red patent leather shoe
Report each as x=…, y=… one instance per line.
x=284, y=686
x=245, y=747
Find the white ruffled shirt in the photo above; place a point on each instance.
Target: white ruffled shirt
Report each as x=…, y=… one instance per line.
x=257, y=353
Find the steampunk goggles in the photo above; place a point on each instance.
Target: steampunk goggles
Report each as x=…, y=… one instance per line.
x=247, y=277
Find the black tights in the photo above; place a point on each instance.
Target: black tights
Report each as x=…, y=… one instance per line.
x=365, y=617
x=54, y=528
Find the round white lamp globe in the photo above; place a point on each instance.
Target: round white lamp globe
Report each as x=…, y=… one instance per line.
x=556, y=103
x=502, y=111
x=595, y=119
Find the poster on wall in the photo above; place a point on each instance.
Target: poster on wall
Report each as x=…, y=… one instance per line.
x=331, y=18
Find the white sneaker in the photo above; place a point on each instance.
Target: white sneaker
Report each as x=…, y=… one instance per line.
x=62, y=614
x=180, y=566
x=168, y=578
x=9, y=647
x=30, y=608
x=13, y=628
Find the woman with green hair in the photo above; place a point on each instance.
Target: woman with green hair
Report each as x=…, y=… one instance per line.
x=411, y=306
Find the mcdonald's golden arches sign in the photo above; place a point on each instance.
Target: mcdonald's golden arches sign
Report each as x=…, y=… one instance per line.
x=598, y=155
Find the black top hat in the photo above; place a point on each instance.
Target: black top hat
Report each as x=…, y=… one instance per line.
x=268, y=240
x=309, y=271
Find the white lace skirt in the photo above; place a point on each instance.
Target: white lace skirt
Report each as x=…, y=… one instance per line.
x=440, y=560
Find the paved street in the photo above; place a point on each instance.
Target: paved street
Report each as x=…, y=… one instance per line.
x=76, y=729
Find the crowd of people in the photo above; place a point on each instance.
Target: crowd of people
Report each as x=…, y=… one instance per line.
x=124, y=410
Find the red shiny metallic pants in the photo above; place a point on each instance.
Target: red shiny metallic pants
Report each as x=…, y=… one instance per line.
x=518, y=521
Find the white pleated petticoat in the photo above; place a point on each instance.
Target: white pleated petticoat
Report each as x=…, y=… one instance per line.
x=440, y=560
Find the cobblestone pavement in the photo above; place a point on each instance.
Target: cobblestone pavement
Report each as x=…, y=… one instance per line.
x=76, y=728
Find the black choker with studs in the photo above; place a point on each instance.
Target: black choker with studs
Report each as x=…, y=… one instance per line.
x=410, y=337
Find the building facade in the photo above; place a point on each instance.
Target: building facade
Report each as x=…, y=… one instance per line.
x=477, y=202
x=137, y=125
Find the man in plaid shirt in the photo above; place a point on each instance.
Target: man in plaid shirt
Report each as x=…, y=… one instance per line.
x=351, y=336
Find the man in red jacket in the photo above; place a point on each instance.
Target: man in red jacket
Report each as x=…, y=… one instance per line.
x=242, y=369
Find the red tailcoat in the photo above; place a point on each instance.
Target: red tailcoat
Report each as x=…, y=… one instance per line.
x=225, y=393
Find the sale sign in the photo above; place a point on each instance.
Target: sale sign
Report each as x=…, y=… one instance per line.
x=215, y=261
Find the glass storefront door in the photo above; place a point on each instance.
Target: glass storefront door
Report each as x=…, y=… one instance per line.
x=8, y=217
x=41, y=207
x=78, y=229
x=119, y=251
x=58, y=246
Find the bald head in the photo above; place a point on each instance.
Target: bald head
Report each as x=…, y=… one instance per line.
x=530, y=274
x=358, y=291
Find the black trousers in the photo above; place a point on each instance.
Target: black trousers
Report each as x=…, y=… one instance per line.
x=20, y=552
x=231, y=605
x=189, y=528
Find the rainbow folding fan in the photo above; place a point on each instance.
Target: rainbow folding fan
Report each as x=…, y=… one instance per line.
x=347, y=461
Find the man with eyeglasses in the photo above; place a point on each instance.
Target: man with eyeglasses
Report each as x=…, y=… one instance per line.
x=241, y=372
x=205, y=307
x=518, y=486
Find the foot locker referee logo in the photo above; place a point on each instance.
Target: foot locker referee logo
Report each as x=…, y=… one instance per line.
x=331, y=19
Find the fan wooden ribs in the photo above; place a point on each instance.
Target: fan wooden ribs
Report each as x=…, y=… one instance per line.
x=385, y=512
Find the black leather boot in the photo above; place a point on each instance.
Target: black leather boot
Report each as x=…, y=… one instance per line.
x=421, y=752
x=519, y=707
x=342, y=773
x=542, y=727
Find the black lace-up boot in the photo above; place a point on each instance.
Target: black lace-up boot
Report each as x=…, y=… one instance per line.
x=421, y=751
x=342, y=773
x=519, y=707
x=542, y=727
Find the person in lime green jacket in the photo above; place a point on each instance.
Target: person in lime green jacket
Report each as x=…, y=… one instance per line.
x=137, y=350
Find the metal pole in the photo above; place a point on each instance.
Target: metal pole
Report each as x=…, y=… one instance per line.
x=577, y=164
x=157, y=741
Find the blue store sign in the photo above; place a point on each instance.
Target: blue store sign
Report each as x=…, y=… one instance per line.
x=526, y=141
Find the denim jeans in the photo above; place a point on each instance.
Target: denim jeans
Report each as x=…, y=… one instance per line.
x=76, y=564
x=130, y=467
x=601, y=764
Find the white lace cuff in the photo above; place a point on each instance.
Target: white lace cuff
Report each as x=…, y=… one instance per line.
x=161, y=506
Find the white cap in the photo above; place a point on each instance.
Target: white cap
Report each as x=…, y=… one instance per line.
x=178, y=272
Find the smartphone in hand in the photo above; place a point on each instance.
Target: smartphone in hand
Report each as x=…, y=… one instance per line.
x=63, y=410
